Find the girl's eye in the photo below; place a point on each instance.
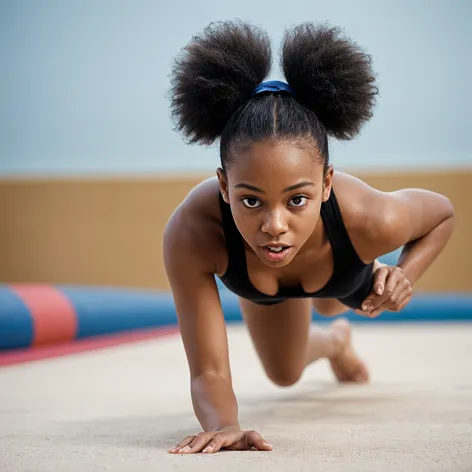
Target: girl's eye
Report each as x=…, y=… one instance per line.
x=251, y=202
x=298, y=201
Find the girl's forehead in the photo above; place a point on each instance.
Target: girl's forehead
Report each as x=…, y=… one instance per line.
x=280, y=161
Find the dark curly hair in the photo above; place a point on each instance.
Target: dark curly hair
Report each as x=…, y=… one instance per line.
x=213, y=79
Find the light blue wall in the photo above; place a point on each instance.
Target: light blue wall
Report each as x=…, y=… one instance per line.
x=82, y=83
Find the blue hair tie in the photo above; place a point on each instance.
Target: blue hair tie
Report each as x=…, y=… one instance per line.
x=273, y=86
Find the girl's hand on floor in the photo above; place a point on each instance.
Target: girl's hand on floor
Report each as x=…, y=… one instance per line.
x=231, y=438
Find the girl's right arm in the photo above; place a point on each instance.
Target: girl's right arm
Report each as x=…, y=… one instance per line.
x=190, y=262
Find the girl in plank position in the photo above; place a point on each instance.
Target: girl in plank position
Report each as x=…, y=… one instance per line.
x=277, y=225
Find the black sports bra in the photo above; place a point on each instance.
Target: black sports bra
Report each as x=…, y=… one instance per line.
x=350, y=283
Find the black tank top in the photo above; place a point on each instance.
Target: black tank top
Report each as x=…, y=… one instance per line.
x=350, y=283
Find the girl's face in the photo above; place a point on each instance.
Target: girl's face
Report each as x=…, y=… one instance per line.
x=275, y=190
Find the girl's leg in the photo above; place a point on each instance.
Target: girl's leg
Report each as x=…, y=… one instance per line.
x=346, y=364
x=287, y=342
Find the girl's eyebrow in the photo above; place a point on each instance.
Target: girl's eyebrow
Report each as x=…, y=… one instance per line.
x=288, y=189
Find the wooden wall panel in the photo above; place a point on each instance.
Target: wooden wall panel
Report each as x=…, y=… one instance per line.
x=109, y=231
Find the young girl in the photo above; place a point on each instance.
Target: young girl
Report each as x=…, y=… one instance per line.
x=278, y=226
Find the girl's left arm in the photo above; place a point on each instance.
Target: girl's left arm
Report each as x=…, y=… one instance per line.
x=429, y=222
x=419, y=220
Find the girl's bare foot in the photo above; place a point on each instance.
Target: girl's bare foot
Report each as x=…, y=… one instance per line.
x=346, y=365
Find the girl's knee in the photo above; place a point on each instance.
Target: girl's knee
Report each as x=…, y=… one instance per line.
x=284, y=377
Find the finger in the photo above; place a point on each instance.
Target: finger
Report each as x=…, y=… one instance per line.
x=198, y=444
x=224, y=440
x=404, y=300
x=243, y=441
x=389, y=292
x=221, y=440
x=380, y=279
x=390, y=304
x=396, y=303
x=255, y=440
x=214, y=445
x=372, y=302
x=392, y=286
x=182, y=444
x=374, y=313
x=401, y=291
x=361, y=313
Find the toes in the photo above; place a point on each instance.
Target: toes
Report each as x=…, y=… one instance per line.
x=362, y=375
x=354, y=371
x=346, y=365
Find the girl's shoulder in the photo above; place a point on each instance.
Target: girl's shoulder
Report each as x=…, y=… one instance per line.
x=369, y=216
x=195, y=226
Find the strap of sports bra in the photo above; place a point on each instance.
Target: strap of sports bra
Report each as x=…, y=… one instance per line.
x=343, y=250
x=234, y=241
